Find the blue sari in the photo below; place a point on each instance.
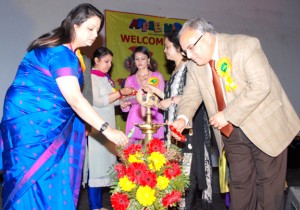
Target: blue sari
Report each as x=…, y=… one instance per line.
x=43, y=139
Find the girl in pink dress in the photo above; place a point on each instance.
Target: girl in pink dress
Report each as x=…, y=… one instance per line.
x=141, y=75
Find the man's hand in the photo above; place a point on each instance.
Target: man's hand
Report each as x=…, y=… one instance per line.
x=218, y=120
x=179, y=125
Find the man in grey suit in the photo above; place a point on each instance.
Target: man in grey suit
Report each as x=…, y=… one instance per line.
x=257, y=108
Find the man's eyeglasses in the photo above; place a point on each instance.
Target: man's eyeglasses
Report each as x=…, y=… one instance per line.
x=191, y=46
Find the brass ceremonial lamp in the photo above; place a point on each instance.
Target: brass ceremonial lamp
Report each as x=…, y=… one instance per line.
x=148, y=100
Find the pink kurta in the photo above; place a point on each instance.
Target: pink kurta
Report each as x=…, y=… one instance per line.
x=135, y=113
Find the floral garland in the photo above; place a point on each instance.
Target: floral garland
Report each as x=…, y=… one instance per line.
x=149, y=177
x=224, y=68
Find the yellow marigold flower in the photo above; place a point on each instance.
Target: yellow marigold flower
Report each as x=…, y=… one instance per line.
x=125, y=184
x=136, y=158
x=162, y=182
x=145, y=195
x=157, y=160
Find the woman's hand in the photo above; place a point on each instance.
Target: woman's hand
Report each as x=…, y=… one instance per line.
x=147, y=88
x=165, y=104
x=124, y=104
x=126, y=91
x=116, y=136
x=150, y=88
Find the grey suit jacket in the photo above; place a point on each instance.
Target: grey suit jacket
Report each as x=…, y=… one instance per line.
x=259, y=105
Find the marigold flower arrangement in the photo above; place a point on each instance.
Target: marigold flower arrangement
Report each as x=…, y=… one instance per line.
x=149, y=177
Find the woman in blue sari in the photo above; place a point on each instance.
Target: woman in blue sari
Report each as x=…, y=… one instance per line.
x=42, y=130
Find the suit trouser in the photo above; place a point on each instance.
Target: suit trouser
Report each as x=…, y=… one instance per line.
x=256, y=180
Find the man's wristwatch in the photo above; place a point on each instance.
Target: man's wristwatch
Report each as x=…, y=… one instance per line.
x=103, y=127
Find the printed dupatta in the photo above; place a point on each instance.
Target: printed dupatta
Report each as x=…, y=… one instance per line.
x=101, y=74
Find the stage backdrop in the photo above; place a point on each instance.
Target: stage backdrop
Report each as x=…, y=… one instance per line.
x=124, y=32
